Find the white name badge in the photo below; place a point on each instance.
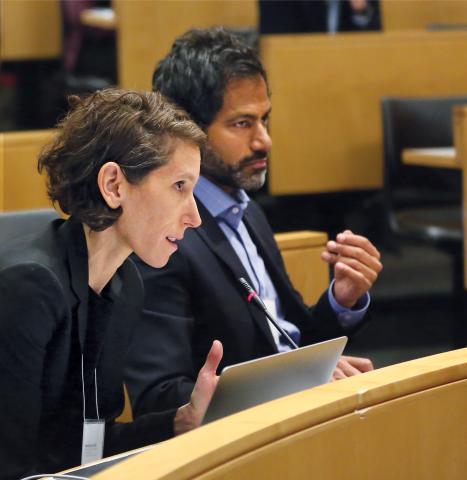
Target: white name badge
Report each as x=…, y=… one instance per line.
x=93, y=441
x=271, y=306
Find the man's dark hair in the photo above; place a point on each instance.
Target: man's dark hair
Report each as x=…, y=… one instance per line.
x=138, y=131
x=197, y=70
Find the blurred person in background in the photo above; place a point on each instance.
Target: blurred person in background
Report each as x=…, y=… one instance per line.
x=318, y=16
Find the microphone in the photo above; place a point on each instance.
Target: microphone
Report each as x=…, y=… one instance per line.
x=253, y=297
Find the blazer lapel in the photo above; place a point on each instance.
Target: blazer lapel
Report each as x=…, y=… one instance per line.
x=261, y=234
x=77, y=257
x=214, y=237
x=218, y=243
x=265, y=248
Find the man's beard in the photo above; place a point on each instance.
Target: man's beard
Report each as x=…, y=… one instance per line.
x=233, y=176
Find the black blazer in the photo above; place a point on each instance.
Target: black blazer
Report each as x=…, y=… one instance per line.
x=197, y=298
x=43, y=324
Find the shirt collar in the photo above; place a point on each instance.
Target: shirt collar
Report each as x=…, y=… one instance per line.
x=221, y=205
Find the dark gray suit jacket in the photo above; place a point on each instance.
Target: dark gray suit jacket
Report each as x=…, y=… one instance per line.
x=196, y=299
x=43, y=325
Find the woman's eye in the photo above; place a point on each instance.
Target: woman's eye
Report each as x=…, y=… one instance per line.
x=179, y=185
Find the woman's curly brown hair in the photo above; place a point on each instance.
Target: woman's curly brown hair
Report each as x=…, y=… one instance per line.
x=135, y=130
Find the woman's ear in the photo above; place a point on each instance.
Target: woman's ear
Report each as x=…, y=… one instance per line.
x=110, y=180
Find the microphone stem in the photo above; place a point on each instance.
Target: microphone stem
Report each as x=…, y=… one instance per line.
x=280, y=329
x=255, y=298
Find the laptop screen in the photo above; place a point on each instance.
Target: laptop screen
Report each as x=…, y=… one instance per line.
x=257, y=381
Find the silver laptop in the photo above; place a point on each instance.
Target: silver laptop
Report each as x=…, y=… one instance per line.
x=250, y=383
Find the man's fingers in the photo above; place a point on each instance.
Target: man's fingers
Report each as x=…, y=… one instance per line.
x=347, y=369
x=359, y=281
x=362, y=364
x=342, y=250
x=349, y=238
x=367, y=272
x=349, y=366
x=329, y=257
x=338, y=374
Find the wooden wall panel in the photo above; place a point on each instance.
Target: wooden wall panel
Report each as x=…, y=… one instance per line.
x=326, y=90
x=147, y=29
x=30, y=29
x=419, y=14
x=21, y=186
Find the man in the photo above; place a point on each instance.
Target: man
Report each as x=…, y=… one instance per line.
x=197, y=297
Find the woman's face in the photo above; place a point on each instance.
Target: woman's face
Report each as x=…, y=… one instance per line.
x=158, y=210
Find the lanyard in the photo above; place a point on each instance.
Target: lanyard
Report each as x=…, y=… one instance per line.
x=95, y=389
x=92, y=447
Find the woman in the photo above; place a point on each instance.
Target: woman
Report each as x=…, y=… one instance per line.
x=123, y=165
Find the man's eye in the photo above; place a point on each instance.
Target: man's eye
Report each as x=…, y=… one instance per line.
x=179, y=185
x=242, y=123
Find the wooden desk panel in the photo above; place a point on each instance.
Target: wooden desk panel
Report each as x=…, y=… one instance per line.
x=30, y=30
x=403, y=421
x=301, y=252
x=21, y=186
x=99, y=18
x=437, y=157
x=326, y=123
x=405, y=15
x=368, y=444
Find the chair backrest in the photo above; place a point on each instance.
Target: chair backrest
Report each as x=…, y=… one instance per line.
x=417, y=123
x=23, y=222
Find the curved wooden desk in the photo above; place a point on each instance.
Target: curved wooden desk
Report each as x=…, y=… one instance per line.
x=404, y=421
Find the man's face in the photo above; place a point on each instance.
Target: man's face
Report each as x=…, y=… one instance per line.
x=238, y=139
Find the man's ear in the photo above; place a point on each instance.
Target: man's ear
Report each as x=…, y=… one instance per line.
x=111, y=180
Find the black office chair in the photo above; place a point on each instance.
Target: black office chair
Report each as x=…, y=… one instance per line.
x=423, y=204
x=420, y=202
x=23, y=222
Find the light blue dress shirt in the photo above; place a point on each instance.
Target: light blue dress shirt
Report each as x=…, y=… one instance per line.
x=228, y=211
